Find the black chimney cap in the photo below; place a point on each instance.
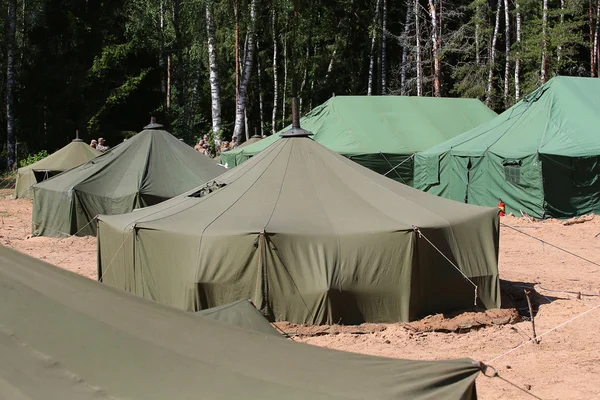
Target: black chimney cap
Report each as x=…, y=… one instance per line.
x=153, y=124
x=295, y=130
x=77, y=137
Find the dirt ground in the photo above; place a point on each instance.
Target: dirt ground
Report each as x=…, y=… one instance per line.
x=564, y=365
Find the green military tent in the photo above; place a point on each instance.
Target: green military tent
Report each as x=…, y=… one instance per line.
x=310, y=237
x=75, y=153
x=66, y=337
x=381, y=132
x=144, y=170
x=541, y=156
x=242, y=314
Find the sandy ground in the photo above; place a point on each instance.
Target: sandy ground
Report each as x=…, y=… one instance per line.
x=565, y=365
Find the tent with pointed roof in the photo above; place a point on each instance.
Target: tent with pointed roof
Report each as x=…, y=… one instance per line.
x=541, y=156
x=310, y=237
x=75, y=153
x=242, y=314
x=381, y=132
x=148, y=168
x=66, y=337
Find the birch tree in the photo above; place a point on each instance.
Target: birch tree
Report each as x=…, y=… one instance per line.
x=384, y=49
x=507, y=55
x=492, y=58
x=435, y=43
x=215, y=92
x=404, y=62
x=275, y=83
x=518, y=55
x=544, y=64
x=418, y=50
x=245, y=79
x=372, y=54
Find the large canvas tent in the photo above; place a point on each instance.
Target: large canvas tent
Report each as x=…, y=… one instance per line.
x=310, y=237
x=75, y=153
x=144, y=170
x=541, y=156
x=66, y=337
x=381, y=132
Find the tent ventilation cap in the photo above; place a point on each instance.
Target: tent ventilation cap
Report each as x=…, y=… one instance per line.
x=77, y=137
x=153, y=124
x=296, y=130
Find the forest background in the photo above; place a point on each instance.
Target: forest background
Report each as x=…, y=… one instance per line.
x=225, y=67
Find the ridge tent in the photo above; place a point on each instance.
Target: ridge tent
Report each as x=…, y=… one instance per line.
x=242, y=314
x=146, y=169
x=381, y=132
x=310, y=237
x=66, y=337
x=75, y=153
x=541, y=156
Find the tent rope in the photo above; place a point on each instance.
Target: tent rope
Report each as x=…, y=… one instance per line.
x=421, y=235
x=550, y=244
x=545, y=333
x=67, y=235
x=403, y=161
x=115, y=256
x=393, y=168
x=494, y=374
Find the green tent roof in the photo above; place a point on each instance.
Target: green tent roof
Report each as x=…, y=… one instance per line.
x=66, y=337
x=242, y=314
x=310, y=237
x=146, y=169
x=75, y=153
x=559, y=118
x=363, y=125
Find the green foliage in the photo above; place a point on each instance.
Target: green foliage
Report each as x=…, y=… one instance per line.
x=33, y=158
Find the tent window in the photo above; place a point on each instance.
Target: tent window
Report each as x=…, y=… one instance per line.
x=512, y=171
x=585, y=171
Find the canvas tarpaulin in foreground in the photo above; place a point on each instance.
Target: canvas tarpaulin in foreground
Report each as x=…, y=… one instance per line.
x=310, y=237
x=146, y=169
x=65, y=337
x=75, y=153
x=541, y=156
x=381, y=132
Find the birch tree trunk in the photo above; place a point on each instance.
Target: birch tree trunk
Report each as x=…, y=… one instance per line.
x=372, y=56
x=592, y=48
x=477, y=47
x=275, y=83
x=507, y=62
x=215, y=90
x=418, y=50
x=285, y=77
x=260, y=93
x=237, y=51
x=248, y=58
x=596, y=43
x=384, y=50
x=404, y=66
x=518, y=55
x=168, y=95
x=562, y=22
x=490, y=85
x=161, y=57
x=544, y=72
x=10, y=85
x=435, y=42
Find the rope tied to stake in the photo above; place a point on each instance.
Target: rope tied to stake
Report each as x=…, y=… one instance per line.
x=422, y=236
x=490, y=372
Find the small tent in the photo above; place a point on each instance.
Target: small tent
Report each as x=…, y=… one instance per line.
x=75, y=153
x=310, y=237
x=381, y=132
x=541, y=156
x=63, y=336
x=144, y=170
x=242, y=314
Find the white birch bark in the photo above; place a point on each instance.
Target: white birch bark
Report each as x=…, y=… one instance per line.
x=384, y=49
x=275, y=83
x=372, y=56
x=490, y=83
x=592, y=51
x=248, y=59
x=418, y=50
x=507, y=61
x=435, y=50
x=215, y=89
x=562, y=22
x=518, y=56
x=404, y=66
x=260, y=93
x=285, y=77
x=544, y=72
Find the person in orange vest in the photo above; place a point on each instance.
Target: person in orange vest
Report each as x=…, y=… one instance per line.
x=502, y=208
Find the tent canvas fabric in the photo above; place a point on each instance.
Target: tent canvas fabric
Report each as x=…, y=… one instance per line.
x=310, y=237
x=242, y=314
x=144, y=170
x=381, y=132
x=66, y=337
x=541, y=156
x=75, y=153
